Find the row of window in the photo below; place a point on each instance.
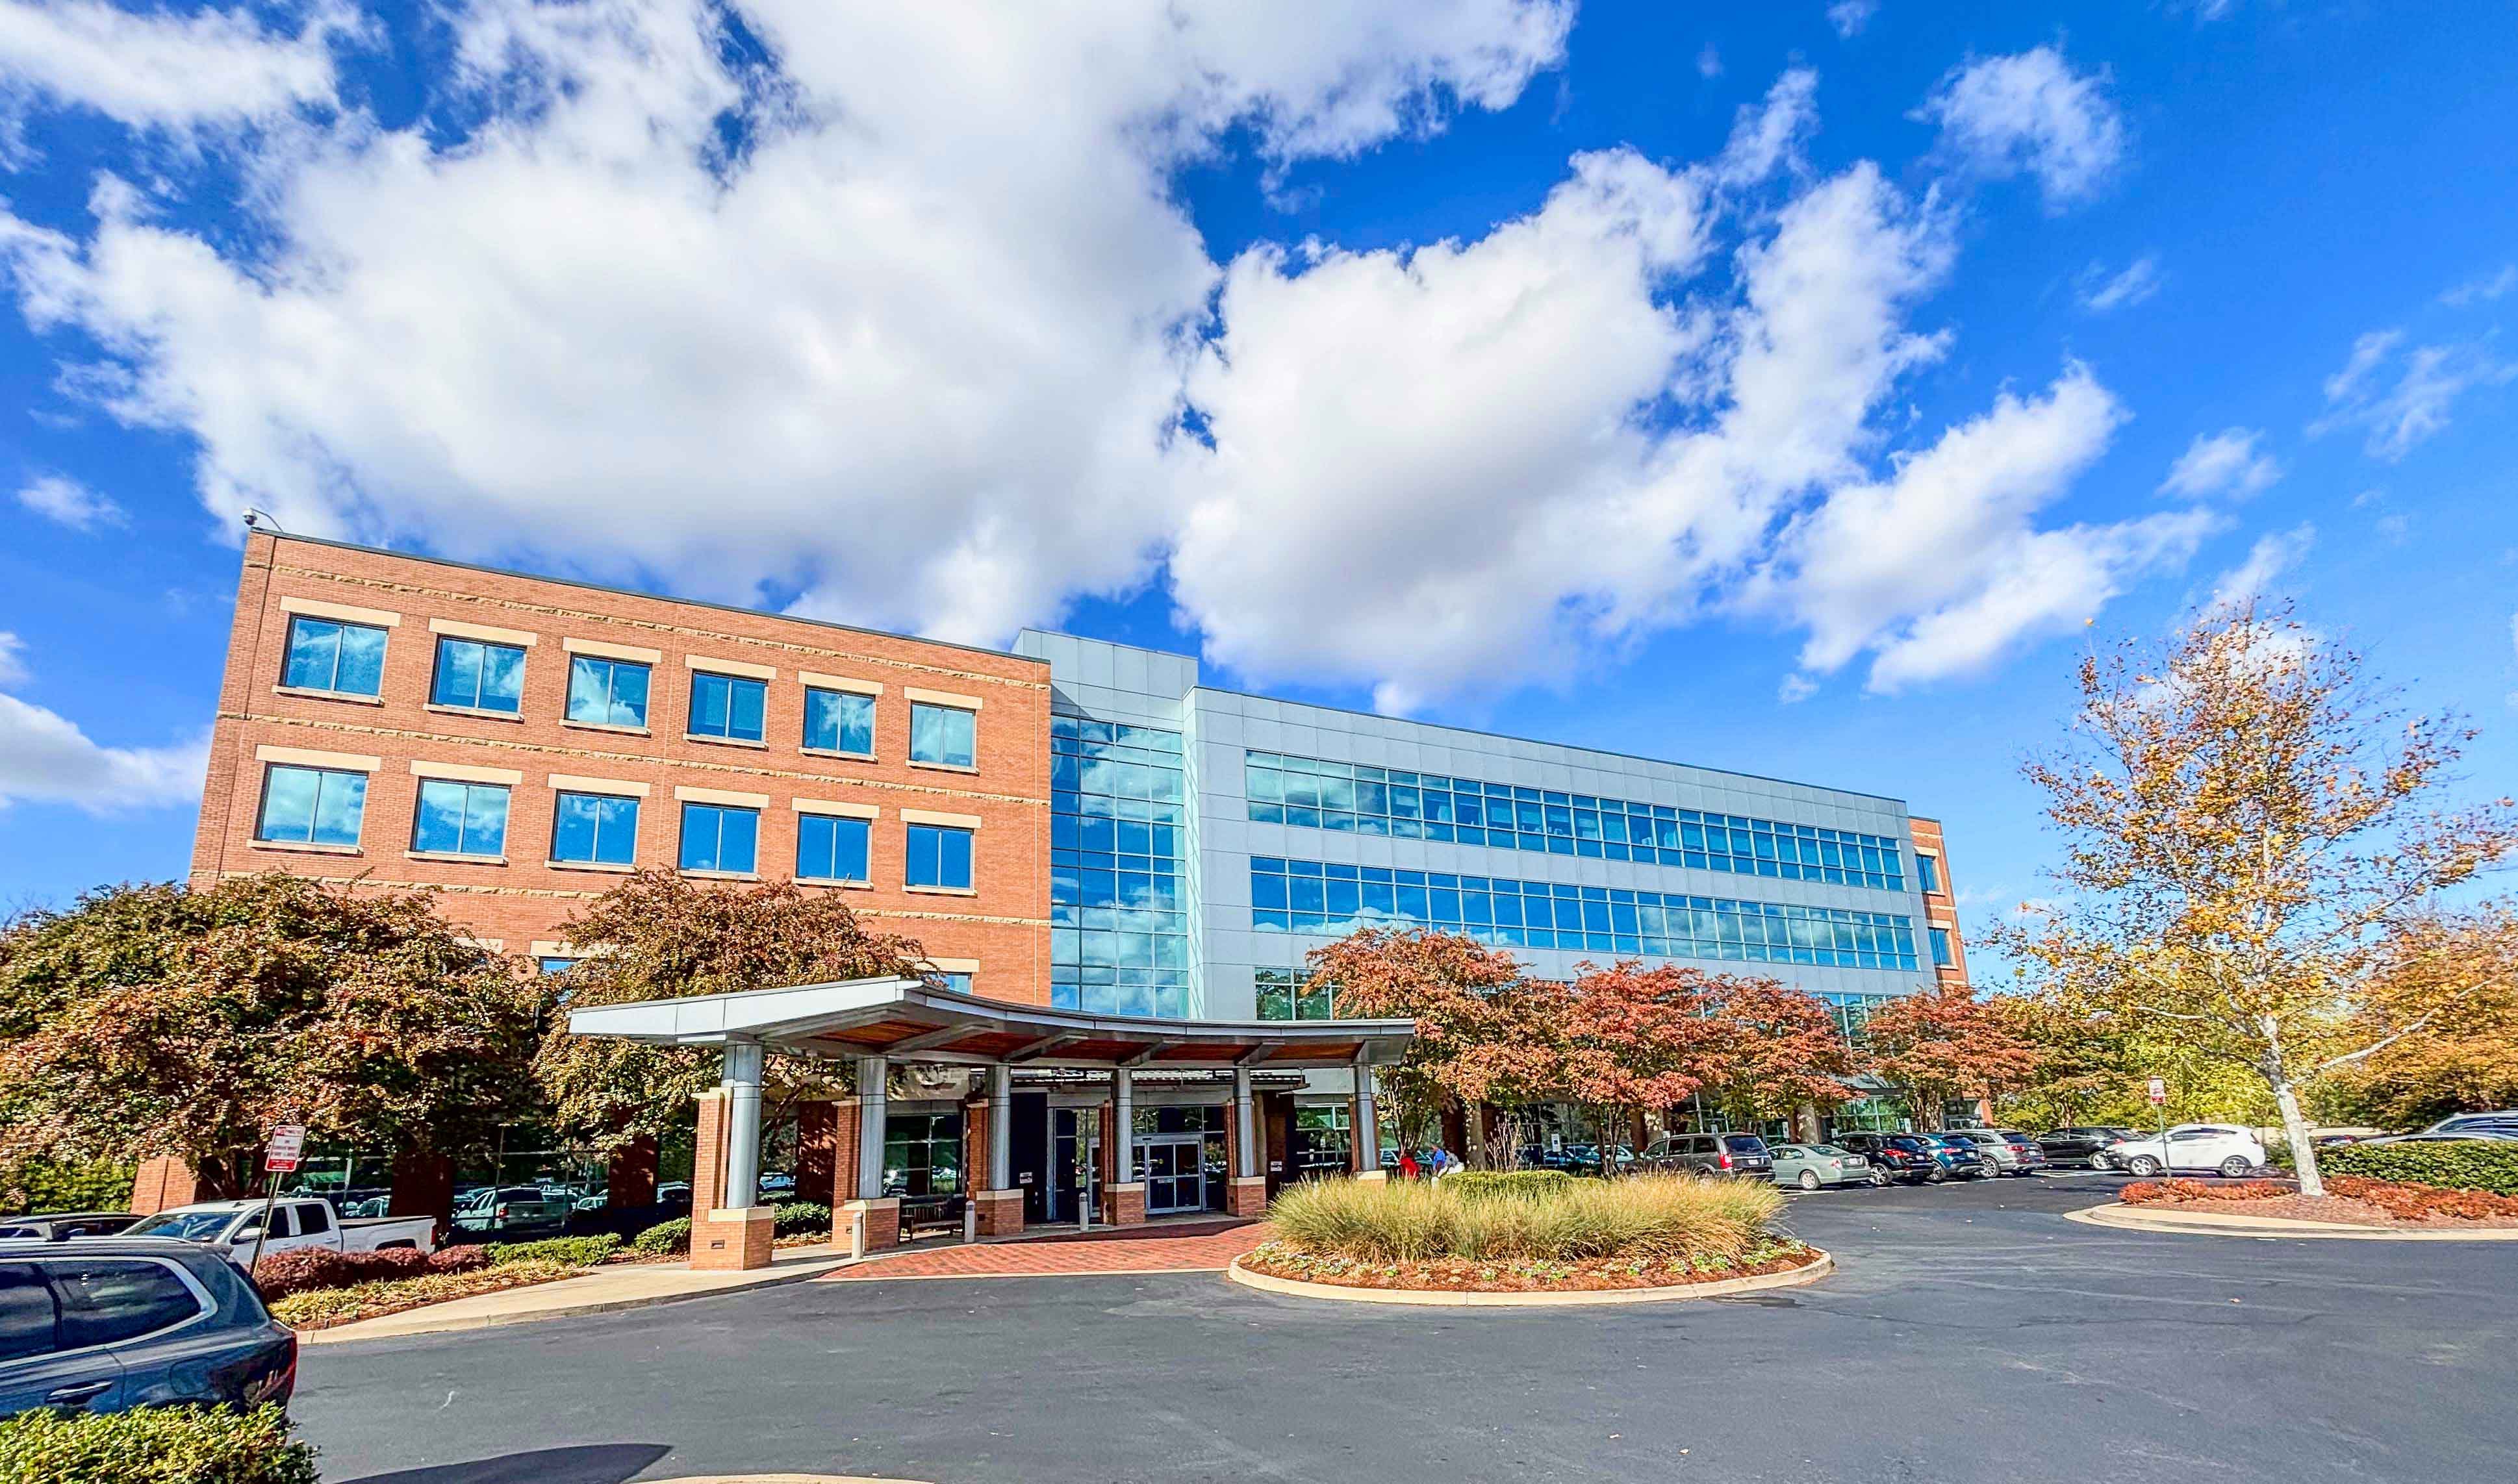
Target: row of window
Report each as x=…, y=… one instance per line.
x=345, y=658
x=1333, y=900
x=1362, y=799
x=328, y=806
x=1118, y=901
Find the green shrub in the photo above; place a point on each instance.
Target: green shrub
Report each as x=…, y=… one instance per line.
x=1506, y=1182
x=665, y=1238
x=795, y=1218
x=392, y=1295
x=40, y=1184
x=153, y=1445
x=580, y=1252
x=2489, y=1164
x=1643, y=1217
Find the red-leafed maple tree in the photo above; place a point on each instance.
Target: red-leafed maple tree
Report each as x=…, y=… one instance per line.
x=1942, y=1042
x=1636, y=1037
x=1777, y=1050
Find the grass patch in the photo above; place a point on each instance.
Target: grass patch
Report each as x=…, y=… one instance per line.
x=1650, y=1218
x=326, y=1307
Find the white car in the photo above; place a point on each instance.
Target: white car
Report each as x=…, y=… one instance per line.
x=236, y=1227
x=2216, y=1147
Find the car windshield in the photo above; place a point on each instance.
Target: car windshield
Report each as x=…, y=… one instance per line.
x=191, y=1226
x=1744, y=1143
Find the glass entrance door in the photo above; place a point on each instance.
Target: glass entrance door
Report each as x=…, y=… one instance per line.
x=1175, y=1174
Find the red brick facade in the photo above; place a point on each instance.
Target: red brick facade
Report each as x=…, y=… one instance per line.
x=523, y=902
x=1940, y=903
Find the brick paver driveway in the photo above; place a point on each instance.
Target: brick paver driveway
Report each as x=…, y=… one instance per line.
x=1204, y=1247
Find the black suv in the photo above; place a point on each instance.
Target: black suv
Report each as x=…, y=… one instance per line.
x=2083, y=1145
x=106, y=1323
x=1914, y=1158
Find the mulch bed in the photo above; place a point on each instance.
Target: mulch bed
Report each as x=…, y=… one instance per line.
x=2283, y=1200
x=323, y=1308
x=1465, y=1276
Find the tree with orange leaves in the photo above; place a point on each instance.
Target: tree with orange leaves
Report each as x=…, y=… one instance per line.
x=1941, y=1043
x=1636, y=1037
x=1777, y=1050
x=2473, y=1063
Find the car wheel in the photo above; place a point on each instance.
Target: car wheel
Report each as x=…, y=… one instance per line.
x=2098, y=1160
x=2143, y=1166
x=2235, y=1166
x=1882, y=1177
x=1935, y=1175
x=1809, y=1179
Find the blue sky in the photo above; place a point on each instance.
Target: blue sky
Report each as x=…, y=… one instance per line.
x=1789, y=388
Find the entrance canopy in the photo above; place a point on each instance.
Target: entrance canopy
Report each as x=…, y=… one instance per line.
x=905, y=1019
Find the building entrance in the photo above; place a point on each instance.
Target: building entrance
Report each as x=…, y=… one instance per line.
x=1174, y=1170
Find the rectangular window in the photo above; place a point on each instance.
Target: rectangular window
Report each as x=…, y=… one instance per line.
x=595, y=830
x=327, y=654
x=1944, y=955
x=609, y=693
x=945, y=735
x=831, y=849
x=461, y=819
x=478, y=676
x=311, y=806
x=729, y=707
x=940, y=856
x=552, y=963
x=838, y=721
x=954, y=980
x=1928, y=869
x=721, y=837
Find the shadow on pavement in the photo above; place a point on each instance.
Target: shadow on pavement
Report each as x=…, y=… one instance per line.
x=594, y=1463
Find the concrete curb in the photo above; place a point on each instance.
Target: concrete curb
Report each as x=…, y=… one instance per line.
x=2200, y=1223
x=1807, y=1273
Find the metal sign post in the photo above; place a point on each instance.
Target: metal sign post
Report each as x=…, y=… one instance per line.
x=279, y=1157
x=2159, y=1101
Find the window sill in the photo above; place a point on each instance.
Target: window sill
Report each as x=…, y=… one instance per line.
x=308, y=694
x=721, y=875
x=605, y=726
x=943, y=891
x=305, y=847
x=945, y=767
x=726, y=741
x=835, y=884
x=455, y=856
x=482, y=713
x=853, y=758
x=601, y=866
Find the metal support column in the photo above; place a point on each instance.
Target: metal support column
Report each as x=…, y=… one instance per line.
x=1368, y=1127
x=872, y=1071
x=1001, y=1127
x=1124, y=1125
x=742, y=1079
x=1245, y=1128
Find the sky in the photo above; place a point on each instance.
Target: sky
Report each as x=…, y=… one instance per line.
x=1796, y=388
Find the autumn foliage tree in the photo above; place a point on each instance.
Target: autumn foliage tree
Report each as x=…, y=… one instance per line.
x=1635, y=1039
x=2472, y=1062
x=657, y=936
x=1943, y=1043
x=156, y=1020
x=1775, y=1050
x=2255, y=837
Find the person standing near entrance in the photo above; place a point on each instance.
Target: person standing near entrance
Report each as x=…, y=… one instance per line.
x=1407, y=1164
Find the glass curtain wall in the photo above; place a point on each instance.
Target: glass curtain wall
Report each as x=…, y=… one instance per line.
x=1118, y=843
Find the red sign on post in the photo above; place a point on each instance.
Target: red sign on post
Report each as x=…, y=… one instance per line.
x=2159, y=1092
x=287, y=1141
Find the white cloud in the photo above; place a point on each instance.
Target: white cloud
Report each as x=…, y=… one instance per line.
x=56, y=498
x=159, y=70
x=1709, y=62
x=2483, y=290
x=1769, y=136
x=2227, y=463
x=1850, y=17
x=1793, y=689
x=2030, y=114
x=2101, y=291
x=44, y=758
x=2428, y=380
x=2275, y=554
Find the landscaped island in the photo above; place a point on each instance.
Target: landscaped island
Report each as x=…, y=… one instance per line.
x=1526, y=1232
x=2349, y=1199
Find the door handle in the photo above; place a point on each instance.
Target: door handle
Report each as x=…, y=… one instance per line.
x=71, y=1396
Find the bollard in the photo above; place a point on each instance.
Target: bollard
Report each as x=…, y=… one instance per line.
x=970, y=1220
x=857, y=1233
x=1084, y=1207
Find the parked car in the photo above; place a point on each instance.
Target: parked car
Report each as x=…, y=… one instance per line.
x=115, y=1322
x=232, y=1227
x=1813, y=1166
x=2501, y=1125
x=2216, y=1147
x=1964, y=1150
x=2083, y=1144
x=61, y=1226
x=2008, y=1150
x=1714, y=1154
x=507, y=1211
x=1914, y=1158
x=777, y=1184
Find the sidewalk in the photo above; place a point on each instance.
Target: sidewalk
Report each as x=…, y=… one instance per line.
x=622, y=1285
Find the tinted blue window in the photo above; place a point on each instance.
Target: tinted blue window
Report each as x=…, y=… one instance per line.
x=482, y=677
x=938, y=856
x=1943, y=955
x=595, y=828
x=610, y=693
x=311, y=806
x=348, y=659
x=551, y=965
x=831, y=849
x=838, y=721
x=943, y=734
x=1928, y=870
x=728, y=706
x=718, y=837
x=461, y=819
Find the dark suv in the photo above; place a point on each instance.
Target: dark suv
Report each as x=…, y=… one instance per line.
x=2086, y=1144
x=1914, y=1158
x=106, y=1323
x=1714, y=1154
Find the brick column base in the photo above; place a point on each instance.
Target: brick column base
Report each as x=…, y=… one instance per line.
x=163, y=1184
x=1247, y=1195
x=1123, y=1204
x=1001, y=1212
x=733, y=1240
x=882, y=1223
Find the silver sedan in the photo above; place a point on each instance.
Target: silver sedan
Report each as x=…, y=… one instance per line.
x=1811, y=1166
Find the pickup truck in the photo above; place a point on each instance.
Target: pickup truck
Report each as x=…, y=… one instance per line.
x=295, y=1222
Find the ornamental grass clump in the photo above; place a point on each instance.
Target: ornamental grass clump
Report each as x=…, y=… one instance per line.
x=1654, y=1216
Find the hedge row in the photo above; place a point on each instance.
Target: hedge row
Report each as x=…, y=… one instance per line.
x=578, y=1251
x=311, y=1269
x=2489, y=1164
x=795, y=1218
x=153, y=1445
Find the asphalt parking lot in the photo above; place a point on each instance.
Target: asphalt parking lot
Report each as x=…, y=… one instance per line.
x=1973, y=1334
